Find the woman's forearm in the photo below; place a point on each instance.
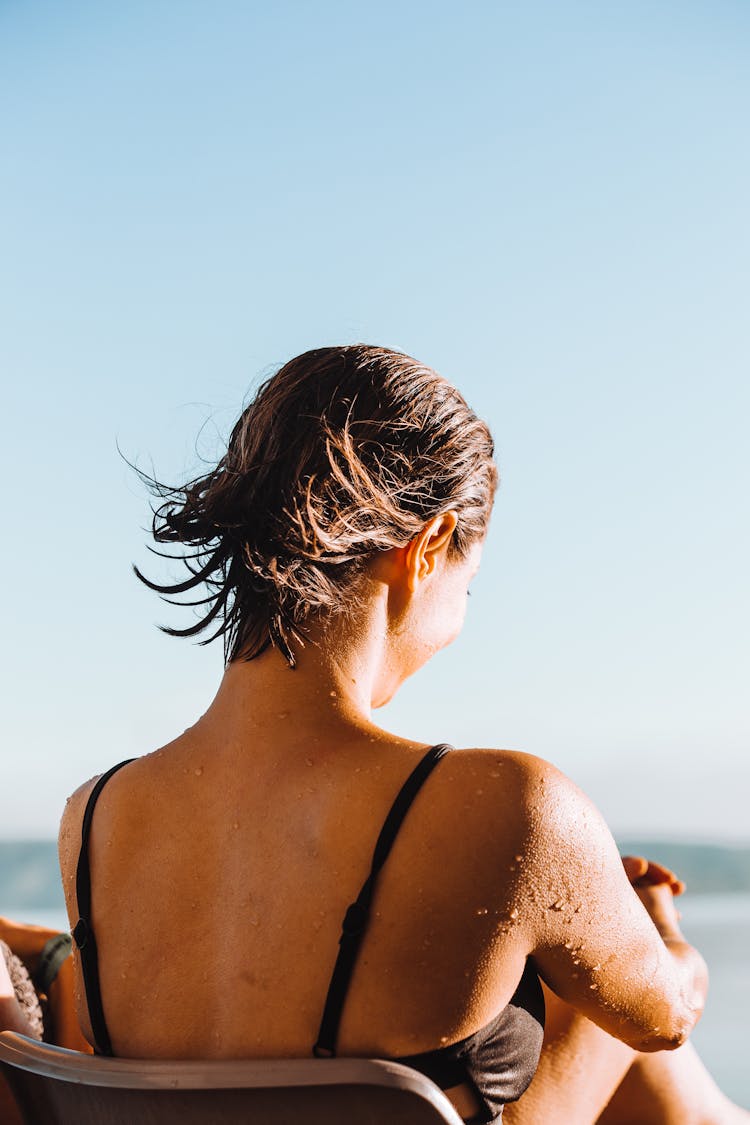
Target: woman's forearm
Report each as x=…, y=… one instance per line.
x=692, y=969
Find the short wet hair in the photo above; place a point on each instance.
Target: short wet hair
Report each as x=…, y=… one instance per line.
x=344, y=452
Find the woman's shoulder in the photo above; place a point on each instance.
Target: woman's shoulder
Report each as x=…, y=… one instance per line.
x=71, y=821
x=506, y=771
x=541, y=807
x=69, y=836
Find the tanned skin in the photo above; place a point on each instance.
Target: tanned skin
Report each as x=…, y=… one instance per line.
x=223, y=862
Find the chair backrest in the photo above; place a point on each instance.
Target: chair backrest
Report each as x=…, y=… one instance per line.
x=55, y=1086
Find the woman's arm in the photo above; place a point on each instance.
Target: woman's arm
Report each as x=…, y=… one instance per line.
x=615, y=953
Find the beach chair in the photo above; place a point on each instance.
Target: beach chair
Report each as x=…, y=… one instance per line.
x=56, y=1086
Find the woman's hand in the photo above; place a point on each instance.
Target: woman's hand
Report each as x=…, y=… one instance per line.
x=643, y=873
x=656, y=887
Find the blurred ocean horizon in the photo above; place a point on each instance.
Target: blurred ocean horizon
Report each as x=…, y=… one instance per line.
x=716, y=921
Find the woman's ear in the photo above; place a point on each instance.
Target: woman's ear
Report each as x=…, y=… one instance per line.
x=423, y=553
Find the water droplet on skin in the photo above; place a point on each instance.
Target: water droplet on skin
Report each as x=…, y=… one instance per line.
x=254, y=921
x=593, y=987
x=596, y=969
x=443, y=1038
x=518, y=858
x=576, y=961
x=512, y=867
x=479, y=792
x=494, y=773
x=514, y=914
x=558, y=904
x=309, y=762
x=283, y=714
x=482, y=910
x=198, y=771
x=235, y=825
x=332, y=694
x=569, y=944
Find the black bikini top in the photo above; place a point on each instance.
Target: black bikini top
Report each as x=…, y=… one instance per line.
x=498, y=1060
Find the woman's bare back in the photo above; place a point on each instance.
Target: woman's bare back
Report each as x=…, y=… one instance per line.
x=221, y=873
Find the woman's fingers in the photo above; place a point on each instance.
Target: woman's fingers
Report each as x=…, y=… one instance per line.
x=646, y=873
x=635, y=866
x=658, y=873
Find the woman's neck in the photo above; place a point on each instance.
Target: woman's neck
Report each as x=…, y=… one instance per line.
x=341, y=674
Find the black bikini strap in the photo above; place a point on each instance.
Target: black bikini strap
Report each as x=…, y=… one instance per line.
x=83, y=934
x=357, y=915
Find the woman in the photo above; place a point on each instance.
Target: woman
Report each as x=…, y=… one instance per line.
x=337, y=539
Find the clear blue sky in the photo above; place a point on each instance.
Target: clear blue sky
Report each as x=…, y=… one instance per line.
x=546, y=201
